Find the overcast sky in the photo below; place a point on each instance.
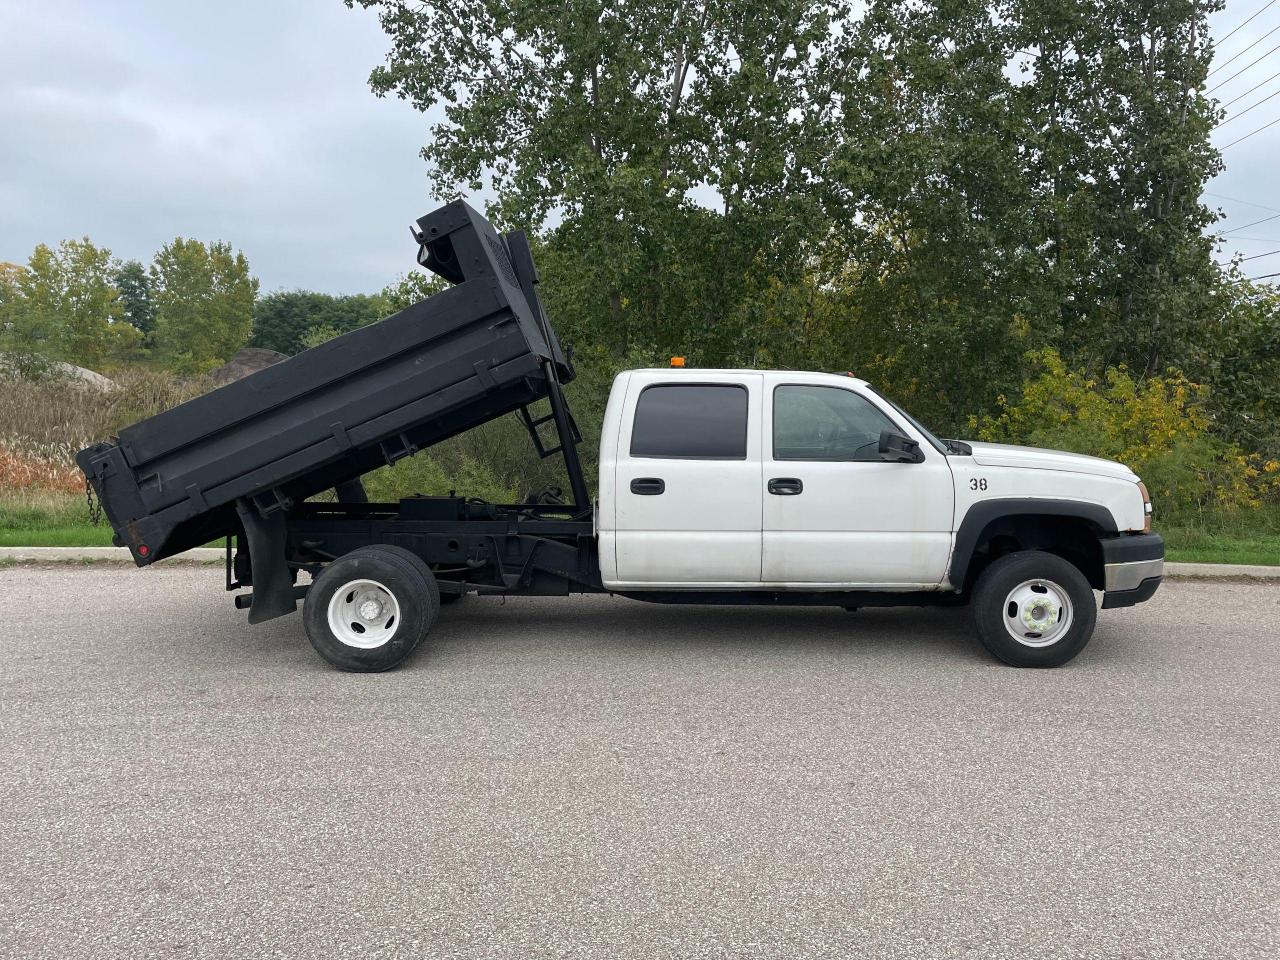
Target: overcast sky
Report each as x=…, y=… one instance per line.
x=134, y=121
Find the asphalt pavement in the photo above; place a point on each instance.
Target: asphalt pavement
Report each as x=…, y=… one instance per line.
x=596, y=777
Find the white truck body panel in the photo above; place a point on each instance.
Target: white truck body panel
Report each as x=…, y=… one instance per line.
x=706, y=527
x=854, y=524
x=1114, y=494
x=1007, y=455
x=863, y=523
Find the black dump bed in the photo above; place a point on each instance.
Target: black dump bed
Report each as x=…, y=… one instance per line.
x=475, y=351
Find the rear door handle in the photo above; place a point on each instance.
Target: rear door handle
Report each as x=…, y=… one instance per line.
x=648, y=486
x=785, y=486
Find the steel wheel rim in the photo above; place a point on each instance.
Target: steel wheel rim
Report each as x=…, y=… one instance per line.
x=363, y=614
x=1038, y=613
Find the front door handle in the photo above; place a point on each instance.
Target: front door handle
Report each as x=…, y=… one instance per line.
x=648, y=486
x=786, y=486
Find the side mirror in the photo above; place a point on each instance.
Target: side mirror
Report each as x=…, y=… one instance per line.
x=895, y=448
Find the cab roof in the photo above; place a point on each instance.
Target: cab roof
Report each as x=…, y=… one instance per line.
x=692, y=373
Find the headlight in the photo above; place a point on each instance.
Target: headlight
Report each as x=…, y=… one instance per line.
x=1147, y=509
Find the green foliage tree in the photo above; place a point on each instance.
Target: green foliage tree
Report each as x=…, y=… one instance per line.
x=922, y=190
x=410, y=289
x=1117, y=130
x=283, y=320
x=17, y=355
x=1244, y=369
x=1160, y=426
x=321, y=333
x=134, y=284
x=65, y=306
x=612, y=119
x=204, y=300
x=962, y=201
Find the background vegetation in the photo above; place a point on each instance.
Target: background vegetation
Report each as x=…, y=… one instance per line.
x=991, y=210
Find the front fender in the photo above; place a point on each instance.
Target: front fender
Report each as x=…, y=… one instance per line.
x=981, y=514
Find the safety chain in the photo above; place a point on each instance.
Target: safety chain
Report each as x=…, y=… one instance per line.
x=95, y=508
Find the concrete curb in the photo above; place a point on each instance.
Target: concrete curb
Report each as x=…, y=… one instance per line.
x=1220, y=571
x=110, y=555
x=209, y=555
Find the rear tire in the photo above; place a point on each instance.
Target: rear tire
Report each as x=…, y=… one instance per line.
x=1034, y=609
x=369, y=609
x=415, y=561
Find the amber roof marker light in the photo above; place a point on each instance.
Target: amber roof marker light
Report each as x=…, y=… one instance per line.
x=677, y=361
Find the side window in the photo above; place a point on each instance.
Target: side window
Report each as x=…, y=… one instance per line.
x=825, y=423
x=701, y=421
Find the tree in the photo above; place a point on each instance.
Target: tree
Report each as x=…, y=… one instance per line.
x=203, y=299
x=134, y=284
x=410, y=289
x=922, y=190
x=1116, y=125
x=284, y=320
x=1245, y=371
x=64, y=306
x=612, y=118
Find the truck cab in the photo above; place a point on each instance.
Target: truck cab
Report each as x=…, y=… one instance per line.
x=715, y=481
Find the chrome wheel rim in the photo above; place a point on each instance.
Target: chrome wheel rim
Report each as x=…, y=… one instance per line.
x=1038, y=613
x=363, y=614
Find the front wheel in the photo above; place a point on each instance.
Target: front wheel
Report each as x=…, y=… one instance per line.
x=1034, y=609
x=369, y=609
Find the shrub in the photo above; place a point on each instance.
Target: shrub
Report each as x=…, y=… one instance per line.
x=35, y=469
x=1158, y=426
x=67, y=415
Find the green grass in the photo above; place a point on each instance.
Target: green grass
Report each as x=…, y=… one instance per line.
x=1253, y=539
x=60, y=535
x=38, y=519
x=1199, y=546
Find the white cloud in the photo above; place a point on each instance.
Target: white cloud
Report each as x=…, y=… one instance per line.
x=138, y=120
x=242, y=121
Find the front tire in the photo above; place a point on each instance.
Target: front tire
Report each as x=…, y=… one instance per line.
x=369, y=609
x=1034, y=609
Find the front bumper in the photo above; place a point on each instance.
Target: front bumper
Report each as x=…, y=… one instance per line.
x=1133, y=566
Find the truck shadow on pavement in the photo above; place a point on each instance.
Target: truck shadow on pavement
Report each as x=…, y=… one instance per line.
x=602, y=623
x=552, y=628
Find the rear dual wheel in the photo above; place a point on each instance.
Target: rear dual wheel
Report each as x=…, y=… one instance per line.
x=369, y=609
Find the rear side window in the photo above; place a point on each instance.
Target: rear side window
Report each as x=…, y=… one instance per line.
x=700, y=421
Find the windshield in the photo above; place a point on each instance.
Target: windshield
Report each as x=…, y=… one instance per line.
x=939, y=445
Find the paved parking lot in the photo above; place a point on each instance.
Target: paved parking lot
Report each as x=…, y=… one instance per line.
x=602, y=778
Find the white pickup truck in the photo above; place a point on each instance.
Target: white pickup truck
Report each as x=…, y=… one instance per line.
x=715, y=486
x=722, y=481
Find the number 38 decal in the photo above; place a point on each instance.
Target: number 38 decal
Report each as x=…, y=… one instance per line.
x=977, y=483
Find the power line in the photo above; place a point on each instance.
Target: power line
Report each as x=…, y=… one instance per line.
x=1251, y=89
x=1246, y=23
x=1243, y=69
x=1247, y=203
x=1247, y=109
x=1256, y=256
x=1250, y=134
x=1265, y=276
x=1252, y=223
x=1242, y=52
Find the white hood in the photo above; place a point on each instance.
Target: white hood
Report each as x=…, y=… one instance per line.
x=1034, y=458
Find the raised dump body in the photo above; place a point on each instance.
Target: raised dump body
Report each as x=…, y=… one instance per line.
x=471, y=353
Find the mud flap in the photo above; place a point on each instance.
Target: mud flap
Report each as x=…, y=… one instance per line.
x=273, y=593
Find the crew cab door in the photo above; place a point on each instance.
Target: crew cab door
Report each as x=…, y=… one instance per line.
x=687, y=489
x=834, y=512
